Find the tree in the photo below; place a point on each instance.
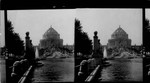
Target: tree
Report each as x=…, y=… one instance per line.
x=82, y=42
x=14, y=44
x=146, y=33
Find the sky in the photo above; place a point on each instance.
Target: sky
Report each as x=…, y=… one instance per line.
x=37, y=22
x=2, y=36
x=106, y=21
x=147, y=12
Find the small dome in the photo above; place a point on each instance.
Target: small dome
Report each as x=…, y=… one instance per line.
x=119, y=33
x=51, y=33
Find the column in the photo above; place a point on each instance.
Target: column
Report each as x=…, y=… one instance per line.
x=96, y=54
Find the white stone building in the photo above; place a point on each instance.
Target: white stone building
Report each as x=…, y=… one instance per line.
x=51, y=38
x=119, y=39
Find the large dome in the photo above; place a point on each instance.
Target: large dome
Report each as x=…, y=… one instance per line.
x=51, y=33
x=119, y=33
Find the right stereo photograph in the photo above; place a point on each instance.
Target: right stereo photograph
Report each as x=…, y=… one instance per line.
x=108, y=45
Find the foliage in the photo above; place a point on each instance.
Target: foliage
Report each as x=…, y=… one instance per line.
x=109, y=51
x=146, y=33
x=14, y=44
x=82, y=42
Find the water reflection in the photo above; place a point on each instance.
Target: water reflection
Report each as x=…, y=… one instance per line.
x=123, y=70
x=54, y=70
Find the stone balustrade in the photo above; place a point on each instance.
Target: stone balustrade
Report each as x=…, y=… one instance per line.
x=18, y=69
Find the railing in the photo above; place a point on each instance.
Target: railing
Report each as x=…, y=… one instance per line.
x=25, y=75
x=78, y=66
x=92, y=75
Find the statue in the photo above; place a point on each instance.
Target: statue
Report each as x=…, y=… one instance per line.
x=27, y=34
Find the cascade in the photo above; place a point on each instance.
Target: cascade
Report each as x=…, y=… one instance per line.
x=36, y=53
x=105, y=53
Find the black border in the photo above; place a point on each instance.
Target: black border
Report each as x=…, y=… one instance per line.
x=73, y=4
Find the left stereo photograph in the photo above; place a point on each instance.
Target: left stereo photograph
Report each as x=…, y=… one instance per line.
x=39, y=46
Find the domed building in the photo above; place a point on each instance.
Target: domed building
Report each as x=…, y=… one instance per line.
x=119, y=39
x=51, y=38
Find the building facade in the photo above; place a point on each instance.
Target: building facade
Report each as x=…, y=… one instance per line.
x=51, y=38
x=119, y=39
